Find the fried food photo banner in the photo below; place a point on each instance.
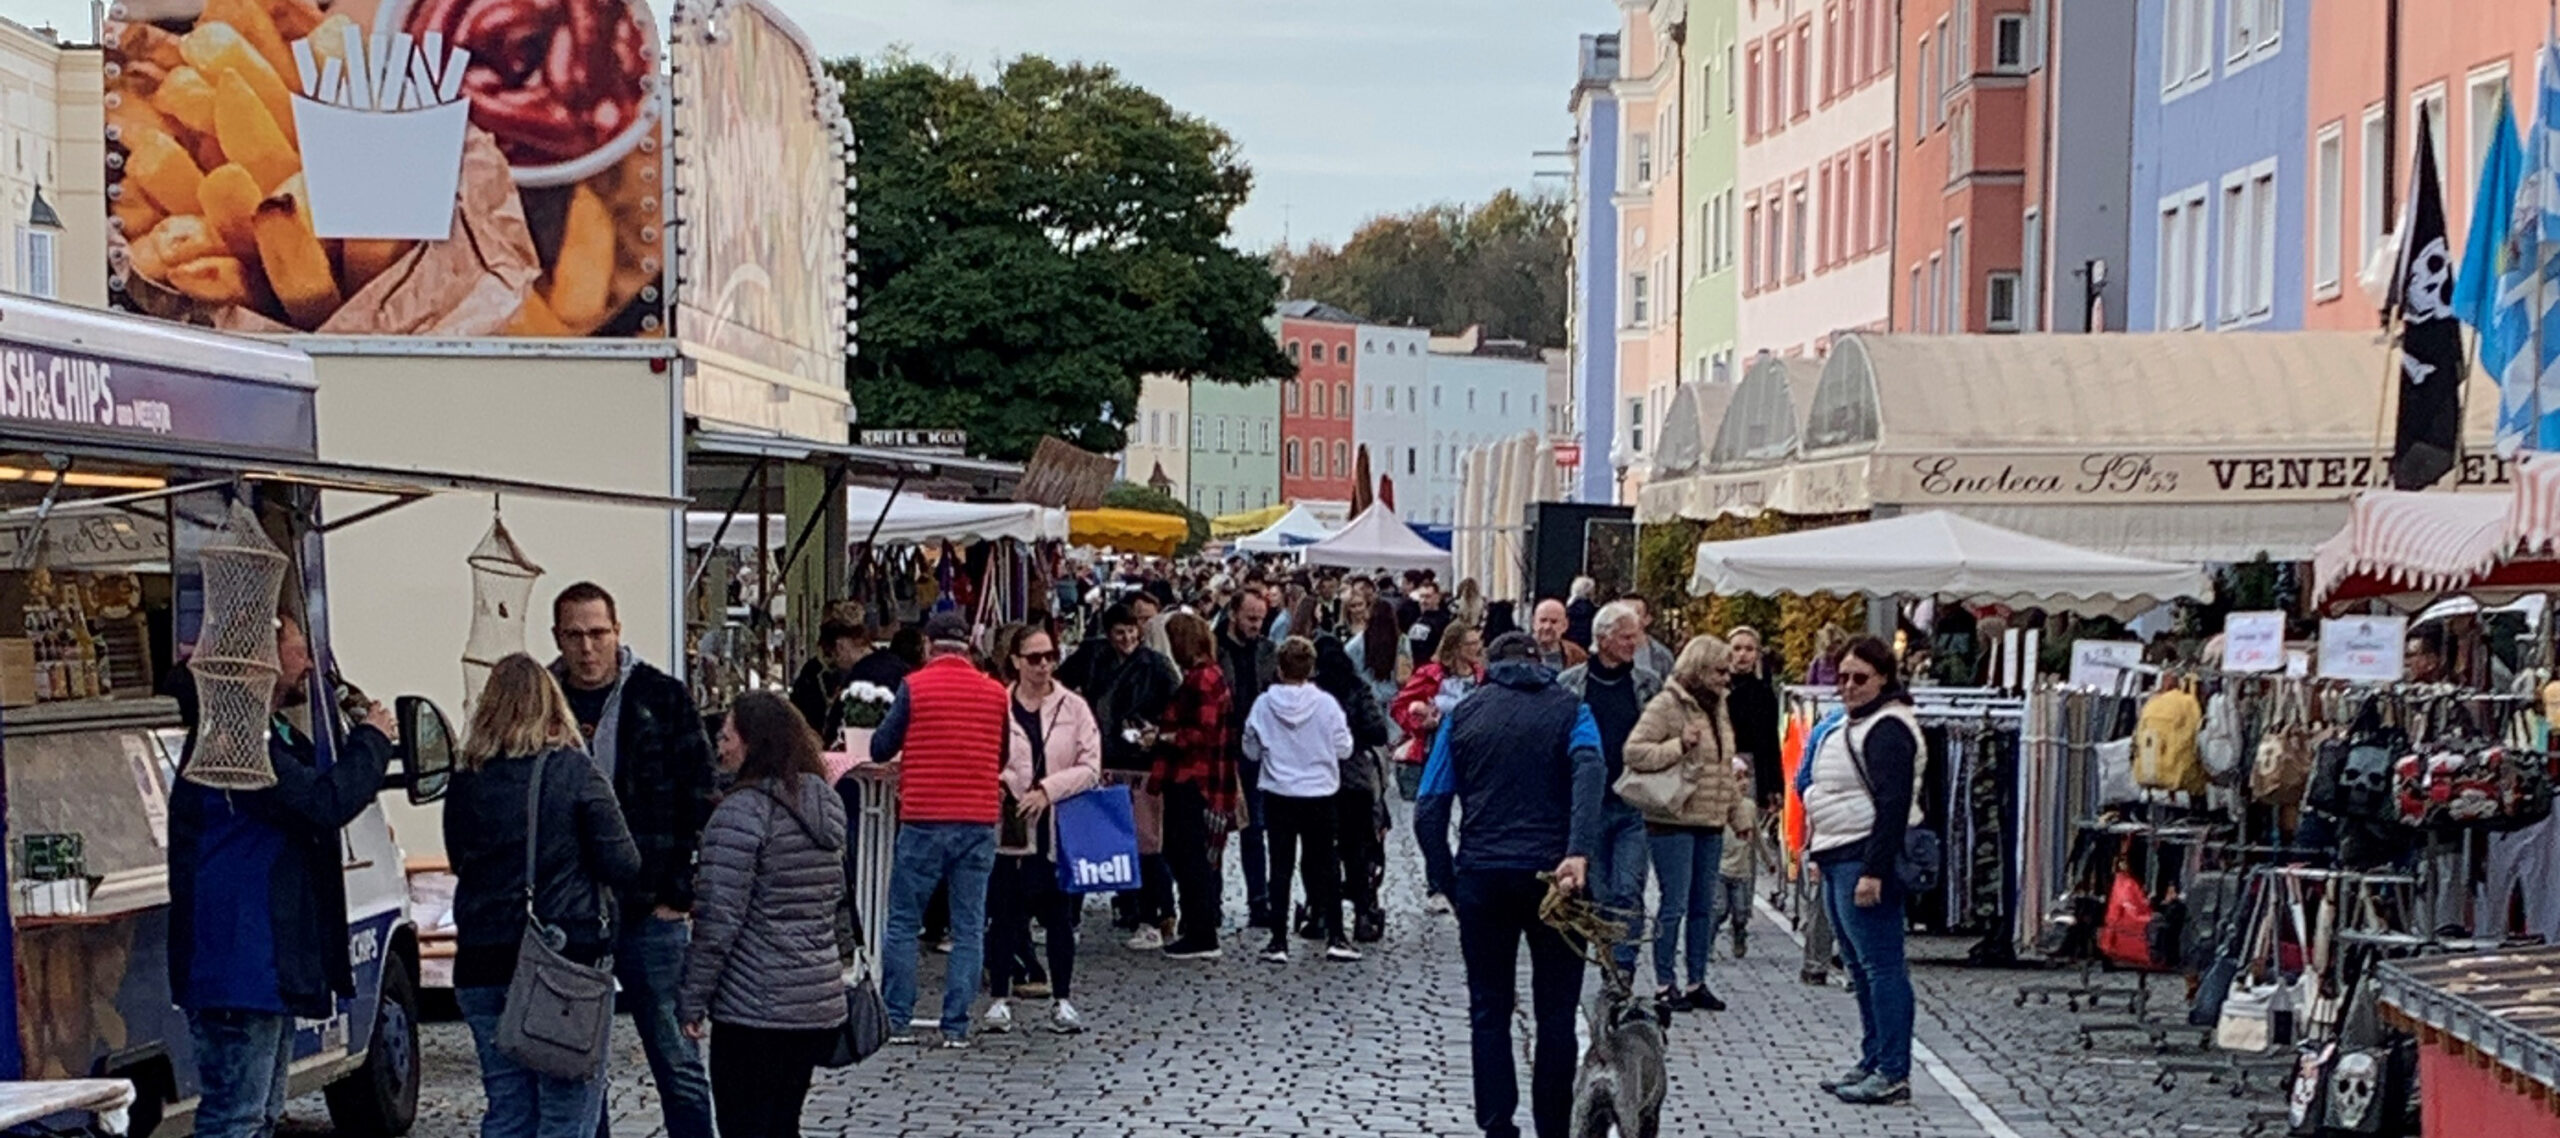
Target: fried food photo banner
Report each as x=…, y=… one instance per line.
x=388, y=167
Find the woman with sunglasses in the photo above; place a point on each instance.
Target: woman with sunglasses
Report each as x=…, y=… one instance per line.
x=1858, y=805
x=1053, y=752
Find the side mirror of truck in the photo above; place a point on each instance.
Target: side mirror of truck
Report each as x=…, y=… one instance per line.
x=426, y=748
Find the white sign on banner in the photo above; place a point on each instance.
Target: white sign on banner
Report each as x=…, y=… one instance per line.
x=2363, y=647
x=2253, y=641
x=2297, y=663
x=2103, y=663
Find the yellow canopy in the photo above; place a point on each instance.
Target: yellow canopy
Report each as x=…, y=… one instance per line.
x=1226, y=526
x=1135, y=531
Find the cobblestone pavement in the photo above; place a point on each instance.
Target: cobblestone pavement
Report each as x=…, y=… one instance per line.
x=1378, y=1048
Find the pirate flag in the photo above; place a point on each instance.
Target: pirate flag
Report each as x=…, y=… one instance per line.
x=2430, y=427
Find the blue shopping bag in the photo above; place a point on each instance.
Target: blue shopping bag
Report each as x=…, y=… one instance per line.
x=1097, y=842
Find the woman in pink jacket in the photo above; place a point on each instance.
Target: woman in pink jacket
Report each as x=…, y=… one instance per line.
x=1053, y=751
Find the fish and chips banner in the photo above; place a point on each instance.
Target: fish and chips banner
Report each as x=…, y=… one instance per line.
x=388, y=167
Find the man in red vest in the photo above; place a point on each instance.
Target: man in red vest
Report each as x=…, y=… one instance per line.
x=948, y=723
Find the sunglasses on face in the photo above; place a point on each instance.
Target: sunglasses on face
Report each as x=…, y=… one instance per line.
x=1037, y=657
x=1848, y=679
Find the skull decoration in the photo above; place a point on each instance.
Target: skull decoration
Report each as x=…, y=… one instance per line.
x=2353, y=1088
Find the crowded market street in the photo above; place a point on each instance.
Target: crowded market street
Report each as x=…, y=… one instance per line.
x=1378, y=1048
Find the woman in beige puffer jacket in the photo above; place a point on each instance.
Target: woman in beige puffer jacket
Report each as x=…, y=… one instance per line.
x=1681, y=777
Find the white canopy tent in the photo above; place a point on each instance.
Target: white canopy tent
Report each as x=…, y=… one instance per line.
x=1940, y=554
x=1377, y=539
x=911, y=519
x=1295, y=530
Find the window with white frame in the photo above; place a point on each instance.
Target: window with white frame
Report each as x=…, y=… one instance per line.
x=2328, y=201
x=2009, y=42
x=1293, y=458
x=2262, y=209
x=2001, y=302
x=1958, y=285
x=1640, y=160
x=1796, y=226
x=2251, y=30
x=2182, y=260
x=1635, y=424
x=1925, y=97
x=1639, y=307
x=1938, y=292
x=1918, y=301
x=1751, y=248
x=2482, y=93
x=2248, y=245
x=36, y=276
x=2431, y=99
x=2374, y=154
x=2233, y=249
x=2186, y=45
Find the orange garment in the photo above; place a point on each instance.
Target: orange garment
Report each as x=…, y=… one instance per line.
x=1793, y=746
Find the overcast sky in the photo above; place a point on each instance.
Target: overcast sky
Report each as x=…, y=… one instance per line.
x=1345, y=108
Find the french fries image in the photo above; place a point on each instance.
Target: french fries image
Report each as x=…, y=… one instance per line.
x=537, y=319
x=216, y=50
x=231, y=195
x=186, y=97
x=213, y=280
x=164, y=170
x=134, y=213
x=250, y=19
x=250, y=136
x=295, y=18
x=129, y=116
x=147, y=43
x=187, y=237
x=584, y=270
x=297, y=267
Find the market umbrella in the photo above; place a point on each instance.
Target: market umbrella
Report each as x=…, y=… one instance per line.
x=1939, y=554
x=1361, y=494
x=1133, y=531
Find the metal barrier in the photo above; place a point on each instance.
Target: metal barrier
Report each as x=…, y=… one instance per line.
x=875, y=845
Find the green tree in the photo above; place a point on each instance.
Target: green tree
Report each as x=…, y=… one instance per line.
x=1148, y=499
x=1504, y=264
x=1032, y=244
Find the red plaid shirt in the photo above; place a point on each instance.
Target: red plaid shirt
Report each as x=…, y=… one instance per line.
x=1195, y=750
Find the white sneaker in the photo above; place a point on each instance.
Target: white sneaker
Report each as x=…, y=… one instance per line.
x=1147, y=939
x=1437, y=904
x=999, y=1018
x=1064, y=1020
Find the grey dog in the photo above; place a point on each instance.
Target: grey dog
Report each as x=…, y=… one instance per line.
x=1621, y=1081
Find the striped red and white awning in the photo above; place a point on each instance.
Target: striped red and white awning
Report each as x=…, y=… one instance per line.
x=2409, y=546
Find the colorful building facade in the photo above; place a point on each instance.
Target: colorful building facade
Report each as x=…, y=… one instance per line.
x=1817, y=172
x=1710, y=305
x=1316, y=432
x=1591, y=327
x=1649, y=90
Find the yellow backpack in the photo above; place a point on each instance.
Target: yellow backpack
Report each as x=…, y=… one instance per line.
x=2164, y=743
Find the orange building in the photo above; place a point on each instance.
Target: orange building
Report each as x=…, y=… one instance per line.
x=2360, y=142
x=1315, y=408
x=1970, y=112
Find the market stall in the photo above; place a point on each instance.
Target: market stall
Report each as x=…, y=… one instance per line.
x=1129, y=531
x=1947, y=556
x=2405, y=549
x=1298, y=528
x=1378, y=539
x=2488, y=1032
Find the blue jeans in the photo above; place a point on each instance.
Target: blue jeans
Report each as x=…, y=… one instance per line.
x=241, y=1059
x=1617, y=875
x=648, y=959
x=1686, y=861
x=1871, y=947
x=523, y=1103
x=931, y=854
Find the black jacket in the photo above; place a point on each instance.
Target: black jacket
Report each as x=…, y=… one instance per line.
x=584, y=852
x=1753, y=705
x=1249, y=669
x=1577, y=621
x=1121, y=690
x=266, y=929
x=814, y=692
x=663, y=776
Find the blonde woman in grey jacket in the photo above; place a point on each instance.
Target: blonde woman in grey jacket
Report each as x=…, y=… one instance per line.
x=765, y=968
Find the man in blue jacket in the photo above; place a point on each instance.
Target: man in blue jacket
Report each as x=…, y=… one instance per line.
x=258, y=905
x=1521, y=759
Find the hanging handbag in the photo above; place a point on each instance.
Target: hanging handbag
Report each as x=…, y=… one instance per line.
x=1653, y=793
x=2281, y=771
x=2114, y=760
x=2306, y=1104
x=2126, y=936
x=2259, y=1012
x=2218, y=745
x=1922, y=859
x=558, y=1018
x=866, y=1016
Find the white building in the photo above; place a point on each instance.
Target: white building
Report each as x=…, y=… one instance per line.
x=53, y=204
x=1392, y=375
x=1159, y=436
x=1496, y=391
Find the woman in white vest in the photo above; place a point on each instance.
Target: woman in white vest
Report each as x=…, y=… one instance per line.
x=1860, y=803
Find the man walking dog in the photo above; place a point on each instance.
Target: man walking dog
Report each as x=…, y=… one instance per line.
x=1521, y=760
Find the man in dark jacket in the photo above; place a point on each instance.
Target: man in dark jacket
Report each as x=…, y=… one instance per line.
x=1128, y=685
x=1250, y=661
x=824, y=676
x=646, y=735
x=1521, y=759
x=262, y=938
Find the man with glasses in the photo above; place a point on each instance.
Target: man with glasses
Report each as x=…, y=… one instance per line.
x=643, y=731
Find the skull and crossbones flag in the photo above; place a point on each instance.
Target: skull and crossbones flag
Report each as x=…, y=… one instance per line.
x=2423, y=449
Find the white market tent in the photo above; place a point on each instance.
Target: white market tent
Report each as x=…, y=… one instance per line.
x=1377, y=539
x=1940, y=554
x=1295, y=530
x=912, y=519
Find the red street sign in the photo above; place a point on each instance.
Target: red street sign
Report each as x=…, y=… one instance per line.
x=1569, y=454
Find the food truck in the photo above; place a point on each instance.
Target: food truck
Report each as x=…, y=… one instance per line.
x=124, y=443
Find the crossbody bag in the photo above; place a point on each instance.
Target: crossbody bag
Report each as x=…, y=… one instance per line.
x=559, y=1013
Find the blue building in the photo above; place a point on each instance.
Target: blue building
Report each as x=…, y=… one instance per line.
x=1593, y=325
x=2220, y=105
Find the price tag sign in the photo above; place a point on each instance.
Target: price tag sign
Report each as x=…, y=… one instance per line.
x=2103, y=663
x=2363, y=647
x=2253, y=642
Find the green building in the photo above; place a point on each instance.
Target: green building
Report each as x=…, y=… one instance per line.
x=1235, y=446
x=1710, y=299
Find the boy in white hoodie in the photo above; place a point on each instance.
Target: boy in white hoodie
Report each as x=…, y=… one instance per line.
x=1299, y=735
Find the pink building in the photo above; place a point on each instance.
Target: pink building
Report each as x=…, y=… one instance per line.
x=1817, y=172
x=2457, y=66
x=1650, y=95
